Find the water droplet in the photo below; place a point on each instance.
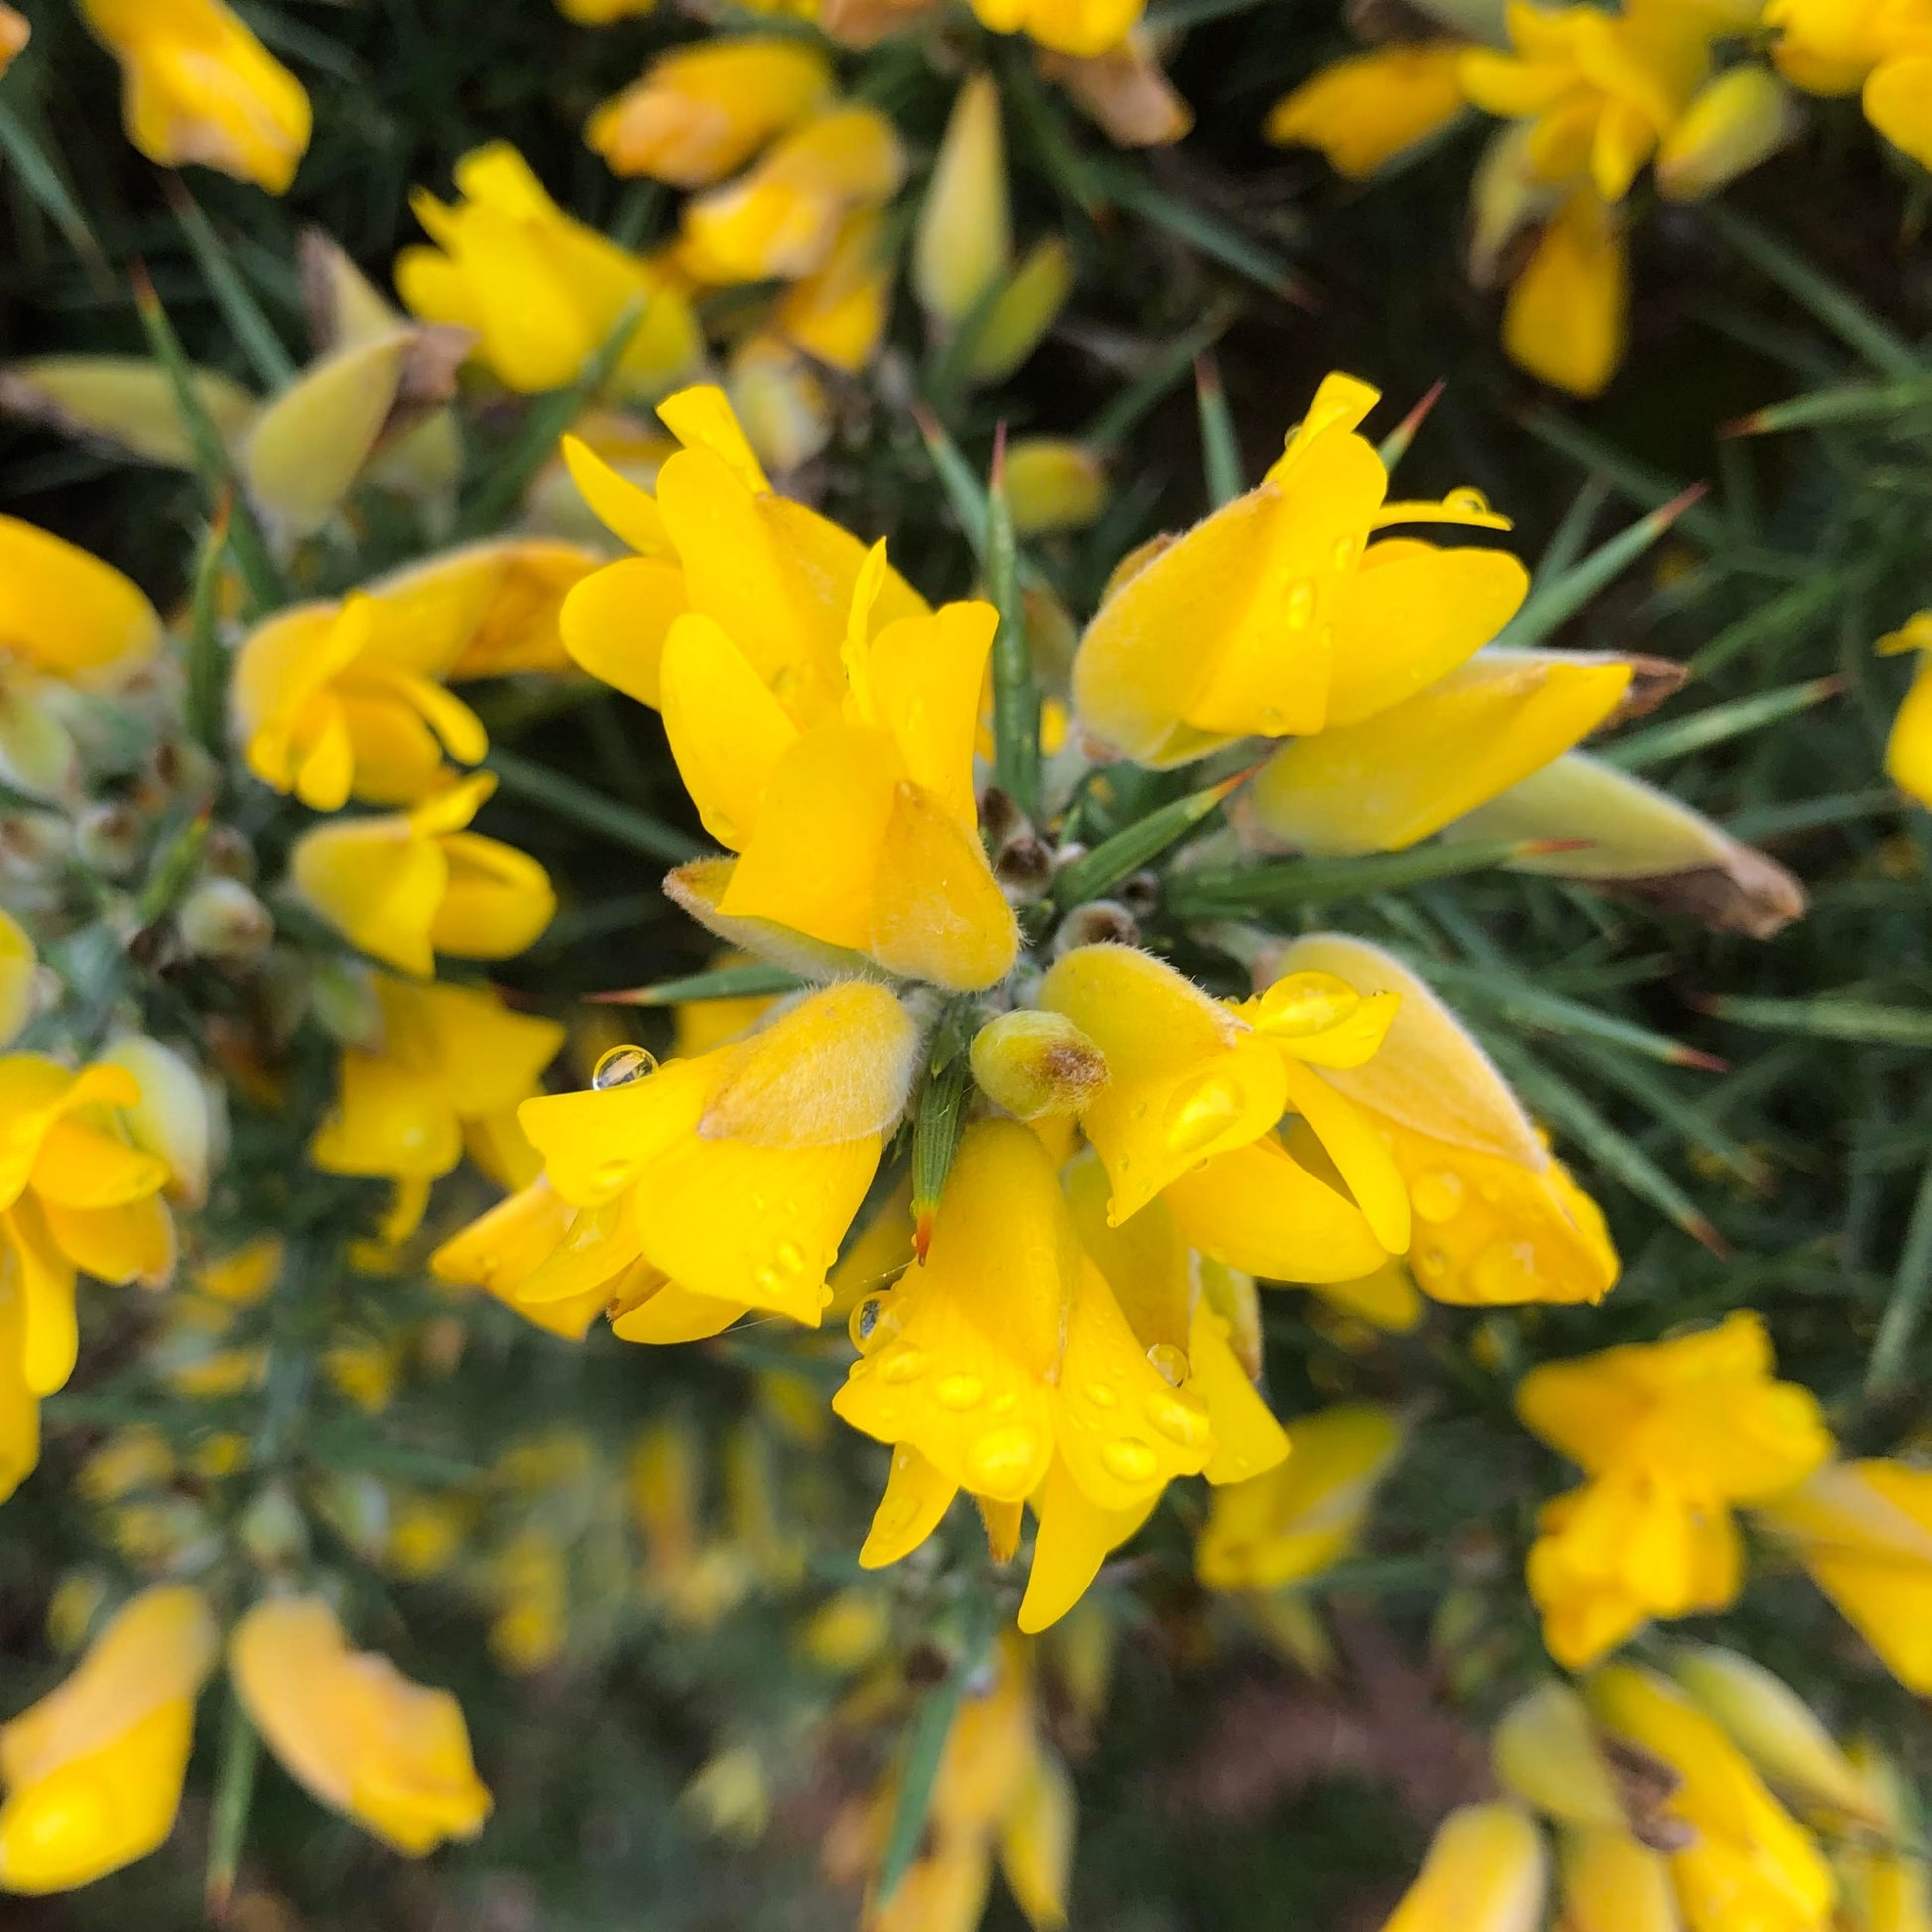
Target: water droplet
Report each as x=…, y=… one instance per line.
x=1101, y=1394
x=1300, y=607
x=1304, y=1003
x=1432, y=1264
x=1179, y=1420
x=1491, y=1190
x=863, y=1320
x=768, y=1281
x=902, y=1365
x=790, y=1257
x=959, y=1391
x=1436, y=1196
x=1467, y=502
x=620, y=1067
x=1129, y=1460
x=609, y=1178
x=1347, y=549
x=1169, y=1362
x=1200, y=1114
x=1002, y=1458
x=1505, y=1270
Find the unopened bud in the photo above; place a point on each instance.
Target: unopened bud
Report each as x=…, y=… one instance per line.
x=1023, y=865
x=1100, y=922
x=346, y=1003
x=274, y=1530
x=179, y=1118
x=107, y=839
x=1053, y=484
x=1034, y=1064
x=1000, y=818
x=1738, y=120
x=220, y=919
x=34, y=841
x=1021, y=313
x=357, y=1507
x=965, y=234
x=780, y=402
x=1141, y=893
x=227, y=854
x=183, y=771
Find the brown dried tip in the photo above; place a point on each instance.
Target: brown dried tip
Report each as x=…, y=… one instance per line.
x=1652, y=680
x=1751, y=893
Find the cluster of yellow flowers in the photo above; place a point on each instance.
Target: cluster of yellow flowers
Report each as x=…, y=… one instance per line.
x=1699, y=90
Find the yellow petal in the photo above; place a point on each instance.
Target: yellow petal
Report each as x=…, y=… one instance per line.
x=1486, y=1872
x=926, y=674
x=1248, y=1441
x=494, y=903
x=376, y=884
x=964, y=239
x=701, y=419
x=1899, y=103
x=1545, y=1750
x=1737, y=120
x=728, y=733
x=67, y=613
x=936, y=912
x=1361, y=1155
x=1363, y=111
x=624, y=509
x=1075, y=1537
x=1260, y=1210
x=1568, y=313
x=916, y=1496
x=123, y=400
x=1612, y=1883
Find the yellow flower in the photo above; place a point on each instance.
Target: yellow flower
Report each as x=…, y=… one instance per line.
x=14, y=35
x=1275, y=616
x=410, y=884
x=1883, y=1885
x=965, y=234
x=1883, y=52
x=1568, y=313
x=450, y=1066
x=778, y=400
x=181, y=1117
x=93, y=1771
x=1601, y=91
x=75, y=1194
x=782, y=216
x=1486, y=1872
x=542, y=292
x=198, y=87
x=1737, y=120
x=839, y=312
x=1053, y=484
x=719, y=1184
x=1001, y=1789
x=1308, y=1511
x=1908, y=752
x=1078, y=26
x=1004, y=1366
x=18, y=967
x=336, y=700
x=1864, y=1530
x=505, y=1248
x=1363, y=111
x=1738, y=1856
x=64, y=618
x=1497, y=1219
x=1193, y=1093
x=1670, y=1433
x=349, y=1727
x=704, y=110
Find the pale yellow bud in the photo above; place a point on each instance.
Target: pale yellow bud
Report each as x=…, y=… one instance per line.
x=732, y=1795
x=179, y=1118
x=779, y=402
x=1739, y=119
x=964, y=239
x=126, y=401
x=1034, y=1064
x=18, y=971
x=1053, y=483
x=220, y=919
x=1021, y=313
x=1545, y=1750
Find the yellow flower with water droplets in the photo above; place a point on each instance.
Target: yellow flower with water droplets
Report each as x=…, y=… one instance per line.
x=782, y=216
x=1498, y=1218
x=1863, y=1531
x=1671, y=1435
x=1193, y=1093
x=1736, y=1856
x=346, y=699
x=449, y=1067
x=704, y=110
x=93, y=1771
x=714, y=1184
x=407, y=886
x=1277, y=617
x=353, y=1731
x=1295, y=1520
x=198, y=87
x=542, y=292
x=1365, y=110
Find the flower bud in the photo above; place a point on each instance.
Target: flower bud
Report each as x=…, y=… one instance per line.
x=1100, y=922
x=179, y=1117
x=732, y=1795
x=220, y=919
x=1034, y=1064
x=274, y=1530
x=123, y=400
x=346, y=1003
x=107, y=839
x=780, y=402
x=965, y=236
x=1739, y=119
x=1053, y=483
x=1021, y=313
x=1546, y=1752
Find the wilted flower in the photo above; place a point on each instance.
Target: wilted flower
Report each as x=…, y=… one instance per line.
x=1276, y=616
x=93, y=1771
x=410, y=884
x=349, y=1727
x=1672, y=1434
x=198, y=87
x=542, y=292
x=704, y=110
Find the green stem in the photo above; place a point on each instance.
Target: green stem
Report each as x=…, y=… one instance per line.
x=1016, y=697
x=1911, y=1286
x=235, y=1797
x=567, y=799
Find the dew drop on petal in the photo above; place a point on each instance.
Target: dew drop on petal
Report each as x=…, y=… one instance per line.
x=902, y=1365
x=1179, y=1420
x=1468, y=502
x=1436, y=1196
x=1169, y=1362
x=790, y=1257
x=621, y=1067
x=1300, y=607
x=1129, y=1460
x=1101, y=1394
x=958, y=1391
x=1002, y=1455
x=1505, y=1270
x=1200, y=1114
x=863, y=1320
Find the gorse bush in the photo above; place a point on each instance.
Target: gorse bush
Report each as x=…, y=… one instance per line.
x=847, y=1048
